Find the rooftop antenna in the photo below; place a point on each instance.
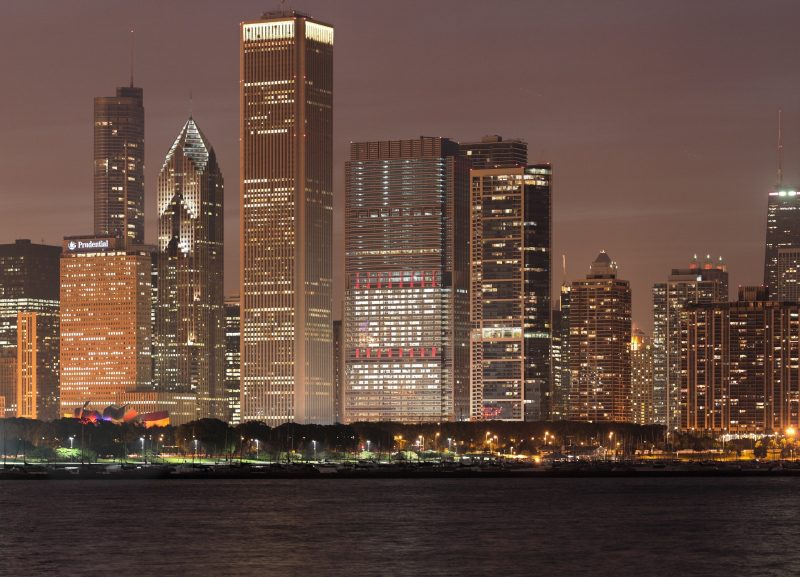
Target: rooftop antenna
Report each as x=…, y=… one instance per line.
x=131, y=57
x=191, y=105
x=780, y=148
x=564, y=267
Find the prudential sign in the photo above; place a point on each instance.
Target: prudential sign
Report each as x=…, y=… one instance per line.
x=87, y=245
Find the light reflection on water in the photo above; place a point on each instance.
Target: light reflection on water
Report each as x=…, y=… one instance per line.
x=426, y=527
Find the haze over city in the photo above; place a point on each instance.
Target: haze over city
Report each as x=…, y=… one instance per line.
x=659, y=120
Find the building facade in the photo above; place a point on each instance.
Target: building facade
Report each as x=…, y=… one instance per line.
x=510, y=282
x=286, y=155
x=706, y=283
x=29, y=290
x=642, y=378
x=741, y=366
x=788, y=277
x=190, y=316
x=406, y=308
x=599, y=345
x=233, y=358
x=106, y=297
x=495, y=152
x=119, y=165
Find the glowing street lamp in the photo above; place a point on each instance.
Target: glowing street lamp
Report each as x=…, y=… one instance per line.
x=257, y=453
x=72, y=442
x=144, y=457
x=314, y=444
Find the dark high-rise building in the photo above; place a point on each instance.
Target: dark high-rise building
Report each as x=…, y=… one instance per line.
x=119, y=165
x=29, y=290
x=494, y=152
x=641, y=378
x=559, y=404
x=338, y=370
x=232, y=358
x=741, y=365
x=406, y=265
x=783, y=231
x=706, y=283
x=788, y=289
x=599, y=345
x=190, y=315
x=510, y=276
x=286, y=155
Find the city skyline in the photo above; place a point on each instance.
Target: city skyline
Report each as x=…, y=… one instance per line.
x=670, y=159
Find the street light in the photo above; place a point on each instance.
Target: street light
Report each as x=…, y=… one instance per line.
x=194, y=455
x=314, y=444
x=257, y=442
x=72, y=442
x=143, y=455
x=368, y=444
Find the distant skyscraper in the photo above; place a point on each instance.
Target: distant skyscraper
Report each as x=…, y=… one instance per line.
x=190, y=318
x=599, y=345
x=494, y=152
x=788, y=289
x=406, y=306
x=338, y=370
x=106, y=295
x=232, y=358
x=29, y=289
x=559, y=405
x=119, y=165
x=783, y=223
x=642, y=378
x=510, y=275
x=286, y=155
x=697, y=284
x=740, y=365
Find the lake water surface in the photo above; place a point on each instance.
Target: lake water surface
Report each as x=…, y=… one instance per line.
x=428, y=527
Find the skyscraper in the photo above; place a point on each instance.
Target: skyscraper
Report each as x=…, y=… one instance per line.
x=559, y=403
x=286, y=155
x=190, y=318
x=510, y=276
x=106, y=295
x=599, y=345
x=119, y=165
x=233, y=358
x=706, y=283
x=406, y=308
x=494, y=152
x=788, y=289
x=641, y=378
x=741, y=365
x=29, y=289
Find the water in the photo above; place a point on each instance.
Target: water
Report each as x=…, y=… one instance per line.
x=426, y=527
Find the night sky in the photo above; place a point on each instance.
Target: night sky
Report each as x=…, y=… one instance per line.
x=659, y=117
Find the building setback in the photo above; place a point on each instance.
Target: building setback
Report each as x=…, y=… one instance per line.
x=741, y=365
x=286, y=155
x=599, y=345
x=105, y=322
x=510, y=277
x=29, y=290
x=706, y=283
x=406, y=308
x=190, y=317
x=119, y=165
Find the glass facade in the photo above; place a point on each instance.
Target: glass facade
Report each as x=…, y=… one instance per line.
x=783, y=231
x=232, y=358
x=189, y=334
x=29, y=285
x=405, y=316
x=119, y=165
x=510, y=264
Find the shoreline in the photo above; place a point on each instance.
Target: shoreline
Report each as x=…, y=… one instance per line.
x=309, y=471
